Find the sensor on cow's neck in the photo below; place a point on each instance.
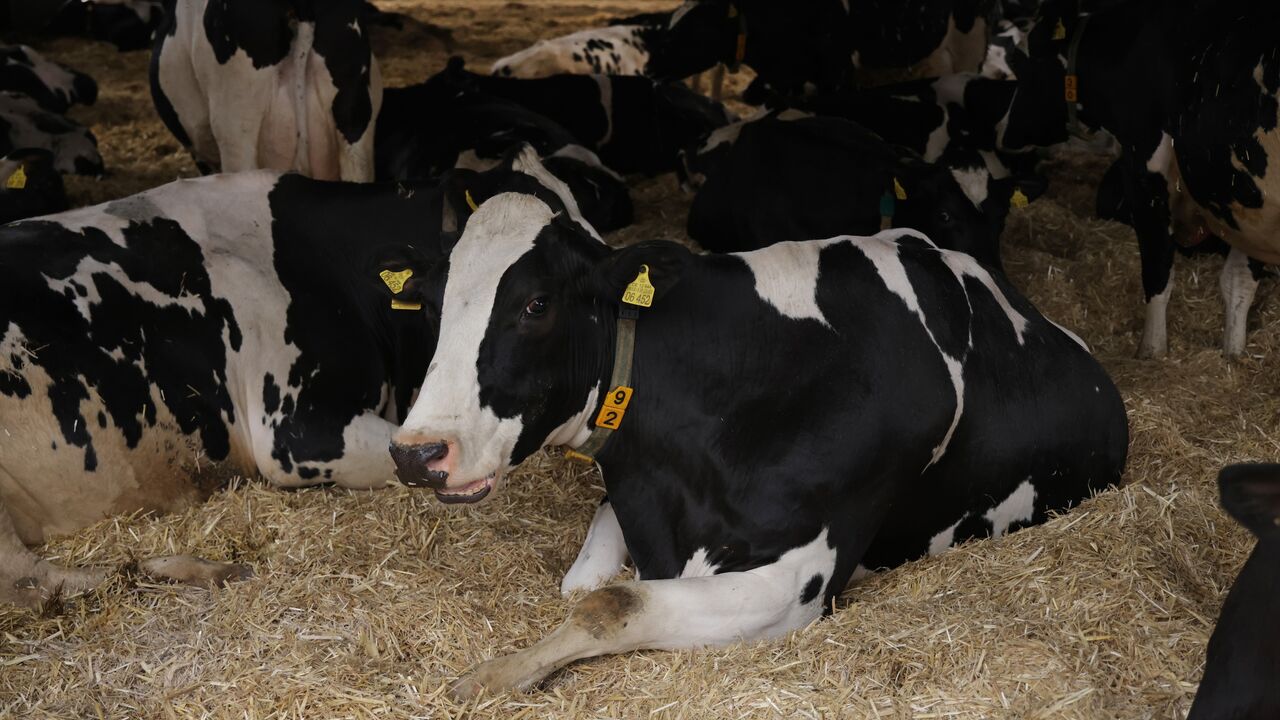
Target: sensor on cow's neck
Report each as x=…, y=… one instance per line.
x=638, y=293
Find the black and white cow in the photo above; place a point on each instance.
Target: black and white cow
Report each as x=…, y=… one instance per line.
x=634, y=123
x=824, y=176
x=30, y=185
x=24, y=124
x=614, y=50
x=236, y=324
x=827, y=44
x=796, y=412
x=421, y=134
x=1189, y=91
x=282, y=85
x=54, y=87
x=127, y=24
x=1007, y=52
x=1244, y=653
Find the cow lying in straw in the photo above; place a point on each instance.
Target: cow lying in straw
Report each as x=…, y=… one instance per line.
x=765, y=422
x=238, y=324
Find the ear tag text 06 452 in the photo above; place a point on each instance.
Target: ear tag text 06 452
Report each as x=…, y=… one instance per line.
x=395, y=283
x=640, y=291
x=18, y=180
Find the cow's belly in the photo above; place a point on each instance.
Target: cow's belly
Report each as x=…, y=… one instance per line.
x=1257, y=230
x=298, y=131
x=46, y=483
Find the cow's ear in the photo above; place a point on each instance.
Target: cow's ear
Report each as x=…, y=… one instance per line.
x=402, y=276
x=1251, y=493
x=1021, y=190
x=657, y=263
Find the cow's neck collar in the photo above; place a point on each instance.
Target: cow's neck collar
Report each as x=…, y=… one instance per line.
x=1071, y=83
x=619, y=390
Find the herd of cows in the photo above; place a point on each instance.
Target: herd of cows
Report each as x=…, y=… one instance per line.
x=844, y=382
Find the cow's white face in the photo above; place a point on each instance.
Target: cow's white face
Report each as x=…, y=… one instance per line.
x=507, y=377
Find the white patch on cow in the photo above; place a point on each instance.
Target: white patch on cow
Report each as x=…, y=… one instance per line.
x=87, y=275
x=498, y=234
x=78, y=220
x=996, y=64
x=1162, y=158
x=587, y=157
x=680, y=12
x=1238, y=287
x=943, y=541
x=556, y=56
x=577, y=429
x=1155, y=335
x=13, y=350
x=994, y=164
x=528, y=163
x=469, y=160
x=602, y=555
x=606, y=106
x=1020, y=506
x=973, y=182
x=1074, y=337
x=355, y=25
x=939, y=139
x=52, y=75
x=786, y=277
x=882, y=251
x=697, y=566
x=965, y=266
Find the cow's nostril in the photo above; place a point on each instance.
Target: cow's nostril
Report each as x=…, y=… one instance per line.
x=413, y=464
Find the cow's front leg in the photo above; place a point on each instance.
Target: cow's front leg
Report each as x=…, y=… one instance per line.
x=690, y=612
x=602, y=554
x=1147, y=191
x=1238, y=283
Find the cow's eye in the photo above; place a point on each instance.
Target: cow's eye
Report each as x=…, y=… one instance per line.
x=536, y=307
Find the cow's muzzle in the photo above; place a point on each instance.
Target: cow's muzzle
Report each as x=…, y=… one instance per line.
x=415, y=464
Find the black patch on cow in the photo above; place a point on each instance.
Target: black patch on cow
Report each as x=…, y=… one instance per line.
x=270, y=394
x=170, y=354
x=811, y=589
x=259, y=28
x=348, y=59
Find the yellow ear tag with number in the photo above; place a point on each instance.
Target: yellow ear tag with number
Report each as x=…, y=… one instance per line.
x=17, y=180
x=395, y=280
x=1059, y=31
x=471, y=203
x=640, y=291
x=899, y=191
x=1019, y=199
x=614, y=407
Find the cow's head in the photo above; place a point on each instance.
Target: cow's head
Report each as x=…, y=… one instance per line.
x=525, y=337
x=1038, y=114
x=960, y=204
x=701, y=34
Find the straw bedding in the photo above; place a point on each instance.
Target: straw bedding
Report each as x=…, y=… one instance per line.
x=368, y=604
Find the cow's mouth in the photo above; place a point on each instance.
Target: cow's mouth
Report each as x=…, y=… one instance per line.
x=472, y=492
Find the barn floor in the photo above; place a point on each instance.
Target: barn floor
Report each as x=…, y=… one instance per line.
x=368, y=604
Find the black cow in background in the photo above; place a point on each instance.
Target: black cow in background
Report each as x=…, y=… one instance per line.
x=796, y=48
x=1243, y=660
x=425, y=130
x=822, y=177
x=633, y=123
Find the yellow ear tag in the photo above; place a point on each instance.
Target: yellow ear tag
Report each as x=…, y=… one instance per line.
x=640, y=291
x=402, y=305
x=1019, y=199
x=899, y=191
x=1059, y=31
x=395, y=280
x=17, y=180
x=471, y=203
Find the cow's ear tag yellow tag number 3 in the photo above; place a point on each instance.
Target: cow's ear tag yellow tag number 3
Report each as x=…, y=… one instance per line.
x=615, y=406
x=640, y=291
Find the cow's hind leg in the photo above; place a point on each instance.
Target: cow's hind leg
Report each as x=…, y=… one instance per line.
x=1238, y=283
x=690, y=612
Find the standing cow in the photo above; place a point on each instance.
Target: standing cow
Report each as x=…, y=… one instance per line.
x=764, y=422
x=236, y=324
x=277, y=84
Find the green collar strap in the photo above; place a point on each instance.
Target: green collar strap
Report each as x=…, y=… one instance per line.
x=637, y=295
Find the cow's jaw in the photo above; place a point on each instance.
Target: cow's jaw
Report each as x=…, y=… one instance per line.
x=472, y=492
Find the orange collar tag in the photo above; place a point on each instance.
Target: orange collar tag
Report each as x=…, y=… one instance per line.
x=742, y=48
x=1072, y=88
x=615, y=406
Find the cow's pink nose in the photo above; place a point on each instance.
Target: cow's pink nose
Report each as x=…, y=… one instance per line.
x=422, y=464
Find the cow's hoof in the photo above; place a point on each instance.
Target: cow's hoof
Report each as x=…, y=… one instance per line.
x=1152, y=352
x=195, y=571
x=501, y=674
